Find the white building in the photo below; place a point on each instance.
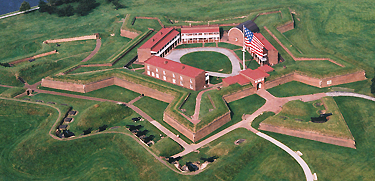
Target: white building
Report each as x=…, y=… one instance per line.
x=200, y=34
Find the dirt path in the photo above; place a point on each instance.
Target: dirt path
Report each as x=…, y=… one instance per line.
x=98, y=44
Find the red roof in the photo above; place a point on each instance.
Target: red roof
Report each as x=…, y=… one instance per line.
x=254, y=74
x=265, y=42
x=174, y=66
x=266, y=68
x=236, y=79
x=162, y=37
x=200, y=30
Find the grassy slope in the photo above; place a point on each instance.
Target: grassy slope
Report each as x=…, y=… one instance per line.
x=332, y=162
x=295, y=89
x=166, y=147
x=302, y=111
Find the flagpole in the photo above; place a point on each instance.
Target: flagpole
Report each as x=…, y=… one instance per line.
x=243, y=47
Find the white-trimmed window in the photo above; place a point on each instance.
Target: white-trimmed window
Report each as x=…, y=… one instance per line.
x=191, y=80
x=191, y=86
x=164, y=72
x=157, y=75
x=164, y=78
x=329, y=82
x=148, y=67
x=156, y=70
x=174, y=81
x=173, y=75
x=148, y=72
x=181, y=83
x=181, y=78
x=153, y=74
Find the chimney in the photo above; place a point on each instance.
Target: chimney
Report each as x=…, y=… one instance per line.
x=161, y=33
x=153, y=39
x=183, y=67
x=165, y=62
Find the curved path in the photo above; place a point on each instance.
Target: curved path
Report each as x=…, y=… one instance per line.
x=176, y=54
x=98, y=44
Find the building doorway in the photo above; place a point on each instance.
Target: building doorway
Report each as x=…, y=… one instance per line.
x=259, y=85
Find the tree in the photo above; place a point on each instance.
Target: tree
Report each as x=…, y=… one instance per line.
x=25, y=6
x=43, y=7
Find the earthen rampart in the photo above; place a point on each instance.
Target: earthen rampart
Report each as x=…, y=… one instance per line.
x=309, y=135
x=239, y=94
x=178, y=126
x=215, y=124
x=87, y=37
x=33, y=57
x=63, y=85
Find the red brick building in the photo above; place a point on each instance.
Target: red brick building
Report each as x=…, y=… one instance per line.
x=256, y=77
x=271, y=55
x=159, y=44
x=175, y=73
x=200, y=34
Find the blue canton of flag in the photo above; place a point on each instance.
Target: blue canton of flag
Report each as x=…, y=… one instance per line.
x=249, y=35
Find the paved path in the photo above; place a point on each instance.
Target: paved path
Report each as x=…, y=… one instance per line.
x=351, y=94
x=9, y=15
x=176, y=54
x=98, y=44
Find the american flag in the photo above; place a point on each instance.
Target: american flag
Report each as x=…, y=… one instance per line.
x=252, y=41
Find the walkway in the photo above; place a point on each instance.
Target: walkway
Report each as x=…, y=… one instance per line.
x=98, y=44
x=176, y=54
x=195, y=118
x=9, y=15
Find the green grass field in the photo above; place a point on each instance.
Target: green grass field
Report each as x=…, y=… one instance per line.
x=296, y=115
x=11, y=92
x=193, y=45
x=229, y=46
x=333, y=162
x=166, y=147
x=295, y=88
x=209, y=61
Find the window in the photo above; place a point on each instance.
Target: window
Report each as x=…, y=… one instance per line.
x=329, y=82
x=153, y=74
x=148, y=72
x=148, y=67
x=181, y=77
x=181, y=83
x=156, y=70
x=173, y=75
x=164, y=78
x=157, y=75
x=174, y=81
x=191, y=81
x=164, y=72
x=191, y=86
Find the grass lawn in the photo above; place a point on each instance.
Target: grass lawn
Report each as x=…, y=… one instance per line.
x=239, y=53
x=155, y=109
x=89, y=69
x=260, y=118
x=295, y=88
x=11, y=92
x=2, y=89
x=166, y=147
x=210, y=45
x=112, y=92
x=105, y=113
x=192, y=45
x=206, y=105
x=252, y=64
x=333, y=162
x=215, y=80
x=296, y=115
x=254, y=159
x=209, y=61
x=246, y=105
x=228, y=46
x=189, y=105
